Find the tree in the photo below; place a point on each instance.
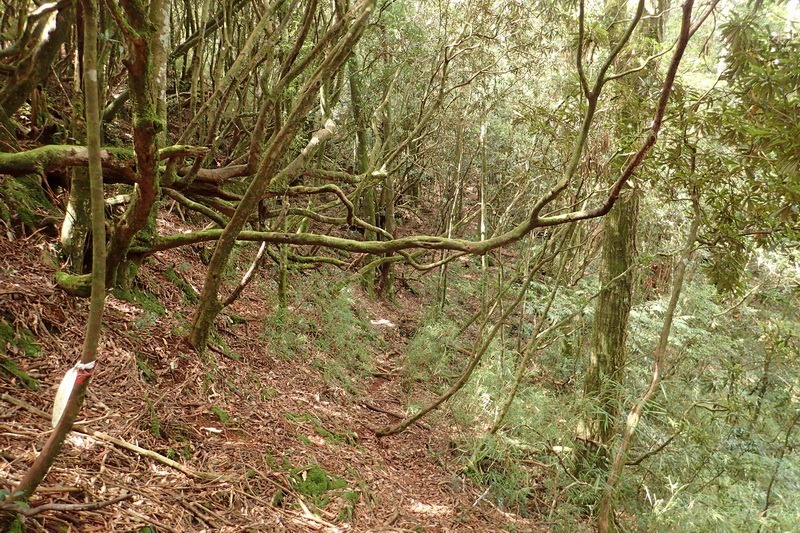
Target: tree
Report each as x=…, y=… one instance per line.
x=316, y=130
x=82, y=371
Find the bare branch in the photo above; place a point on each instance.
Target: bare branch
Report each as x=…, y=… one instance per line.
x=71, y=507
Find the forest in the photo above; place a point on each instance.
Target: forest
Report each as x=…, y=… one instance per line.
x=382, y=265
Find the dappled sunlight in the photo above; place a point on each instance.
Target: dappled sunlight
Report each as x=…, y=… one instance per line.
x=428, y=509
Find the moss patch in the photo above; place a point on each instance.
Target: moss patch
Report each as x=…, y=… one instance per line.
x=17, y=341
x=316, y=484
x=10, y=369
x=23, y=202
x=76, y=285
x=188, y=291
x=331, y=437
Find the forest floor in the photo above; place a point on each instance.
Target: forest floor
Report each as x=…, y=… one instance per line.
x=261, y=441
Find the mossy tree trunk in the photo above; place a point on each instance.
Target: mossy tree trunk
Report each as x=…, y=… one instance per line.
x=145, y=29
x=605, y=508
x=361, y=150
x=608, y=352
x=605, y=379
x=75, y=228
x=77, y=217
x=454, y=212
x=35, y=58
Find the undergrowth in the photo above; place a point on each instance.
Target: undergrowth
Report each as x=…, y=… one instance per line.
x=428, y=356
x=709, y=453
x=326, y=328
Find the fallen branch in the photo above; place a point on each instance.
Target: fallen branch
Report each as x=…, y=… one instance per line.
x=152, y=455
x=24, y=405
x=99, y=435
x=33, y=511
x=53, y=157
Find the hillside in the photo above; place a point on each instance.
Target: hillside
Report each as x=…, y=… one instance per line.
x=418, y=266
x=257, y=433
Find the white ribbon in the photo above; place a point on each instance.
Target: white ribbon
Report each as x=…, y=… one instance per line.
x=65, y=389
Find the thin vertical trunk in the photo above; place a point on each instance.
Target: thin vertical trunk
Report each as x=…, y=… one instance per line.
x=197, y=58
x=361, y=156
x=77, y=216
x=482, y=191
x=454, y=213
x=38, y=470
x=386, y=285
x=283, y=277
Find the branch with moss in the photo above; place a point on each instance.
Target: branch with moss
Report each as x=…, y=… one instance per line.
x=120, y=162
x=53, y=157
x=351, y=218
x=197, y=207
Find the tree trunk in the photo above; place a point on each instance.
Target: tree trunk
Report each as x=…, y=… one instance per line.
x=34, y=68
x=609, y=329
x=38, y=470
x=605, y=380
x=361, y=155
x=77, y=218
x=146, y=35
x=605, y=506
x=386, y=286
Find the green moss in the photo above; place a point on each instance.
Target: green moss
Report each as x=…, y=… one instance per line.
x=223, y=417
x=351, y=498
x=125, y=279
x=76, y=285
x=182, y=452
x=236, y=319
x=27, y=343
x=15, y=525
x=268, y=393
x=188, y=291
x=23, y=202
x=148, y=301
x=331, y=437
x=6, y=332
x=348, y=437
x=155, y=421
x=219, y=341
x=316, y=484
x=22, y=339
x=10, y=369
x=147, y=373
x=282, y=465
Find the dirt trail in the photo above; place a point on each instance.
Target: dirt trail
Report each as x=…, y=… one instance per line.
x=251, y=427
